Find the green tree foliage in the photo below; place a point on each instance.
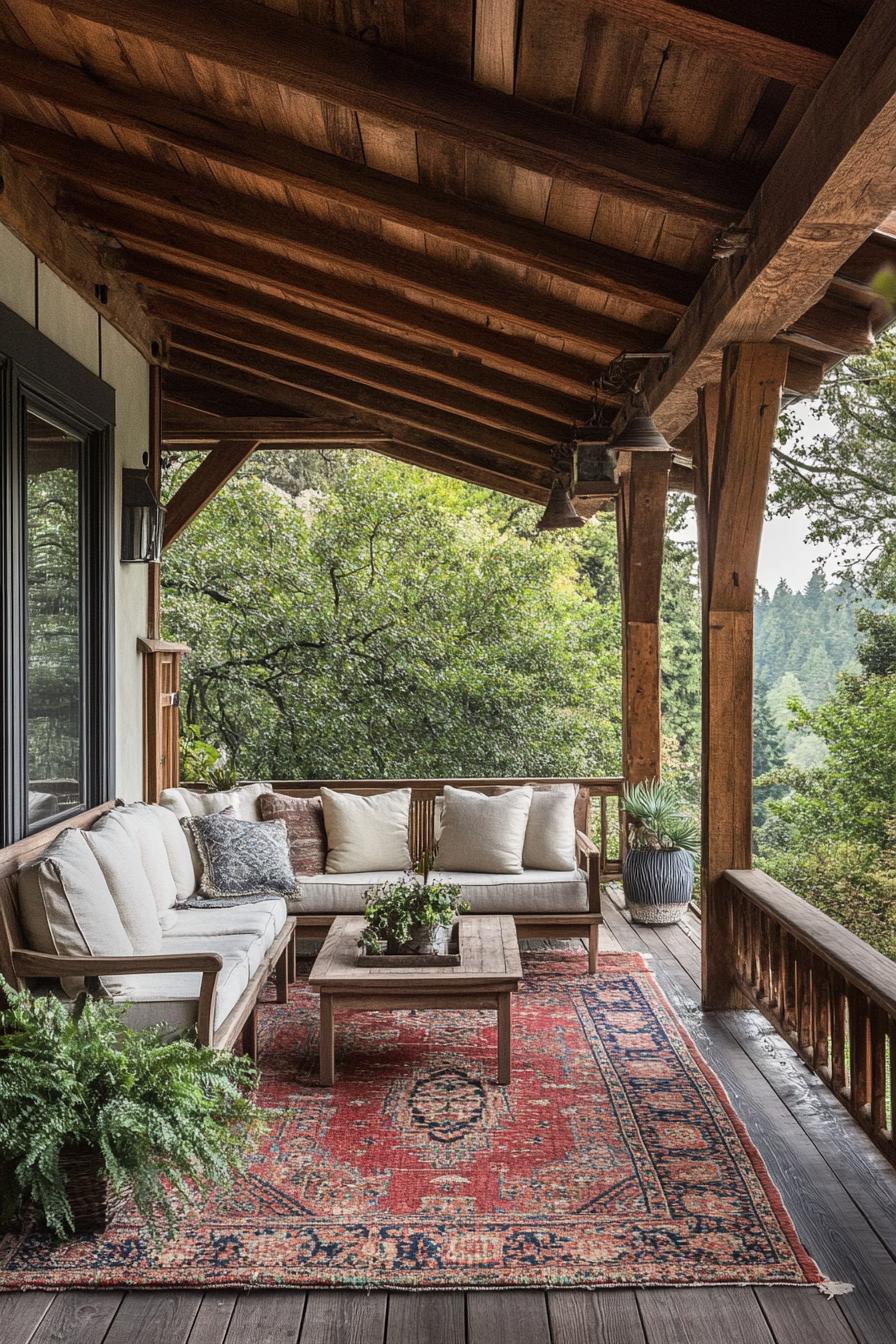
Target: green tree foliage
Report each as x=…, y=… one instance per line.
x=382, y=621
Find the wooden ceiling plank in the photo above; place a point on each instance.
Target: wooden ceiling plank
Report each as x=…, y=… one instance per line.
x=183, y=428
x=168, y=193
x=388, y=85
x=387, y=379
x=162, y=280
x=280, y=159
x=831, y=187
x=317, y=289
x=318, y=390
x=796, y=44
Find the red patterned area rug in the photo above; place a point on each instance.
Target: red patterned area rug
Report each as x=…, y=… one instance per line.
x=612, y=1159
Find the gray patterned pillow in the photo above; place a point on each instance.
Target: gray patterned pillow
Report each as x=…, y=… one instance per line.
x=241, y=858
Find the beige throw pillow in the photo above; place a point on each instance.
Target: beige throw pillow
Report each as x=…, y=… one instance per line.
x=67, y=909
x=367, y=832
x=550, y=843
x=482, y=834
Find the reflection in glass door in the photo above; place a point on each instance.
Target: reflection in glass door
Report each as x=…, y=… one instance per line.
x=53, y=470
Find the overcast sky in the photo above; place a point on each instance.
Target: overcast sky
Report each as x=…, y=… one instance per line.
x=785, y=552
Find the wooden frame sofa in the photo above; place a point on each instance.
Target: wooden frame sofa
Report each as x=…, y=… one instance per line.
x=24, y=967
x=594, y=858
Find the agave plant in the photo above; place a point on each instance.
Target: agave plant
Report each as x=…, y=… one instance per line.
x=657, y=819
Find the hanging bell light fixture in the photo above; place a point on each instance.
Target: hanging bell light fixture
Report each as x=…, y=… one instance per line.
x=640, y=433
x=560, y=512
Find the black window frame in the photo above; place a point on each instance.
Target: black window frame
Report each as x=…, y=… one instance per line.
x=35, y=374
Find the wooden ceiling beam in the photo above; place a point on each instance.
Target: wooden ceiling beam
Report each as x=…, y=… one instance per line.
x=794, y=43
x=184, y=429
x=165, y=281
x=278, y=158
x=26, y=211
x=213, y=388
x=170, y=194
x=330, y=293
x=347, y=71
x=832, y=185
x=194, y=318
x=318, y=391
x=203, y=483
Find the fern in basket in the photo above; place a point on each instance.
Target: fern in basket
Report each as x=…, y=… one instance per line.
x=168, y=1121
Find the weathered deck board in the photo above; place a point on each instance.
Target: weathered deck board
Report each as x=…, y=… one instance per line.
x=837, y=1186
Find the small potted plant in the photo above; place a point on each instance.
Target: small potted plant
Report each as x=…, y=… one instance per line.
x=91, y=1112
x=663, y=841
x=411, y=917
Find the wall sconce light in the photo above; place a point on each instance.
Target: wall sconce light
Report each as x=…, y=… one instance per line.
x=142, y=520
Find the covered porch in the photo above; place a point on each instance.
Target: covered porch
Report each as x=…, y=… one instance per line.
x=836, y=1183
x=485, y=241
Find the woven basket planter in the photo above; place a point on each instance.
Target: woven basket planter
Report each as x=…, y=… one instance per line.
x=658, y=884
x=94, y=1203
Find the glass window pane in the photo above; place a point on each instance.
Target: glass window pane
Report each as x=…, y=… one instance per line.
x=53, y=528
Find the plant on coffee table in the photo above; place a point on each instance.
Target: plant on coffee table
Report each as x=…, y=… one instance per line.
x=408, y=914
x=91, y=1110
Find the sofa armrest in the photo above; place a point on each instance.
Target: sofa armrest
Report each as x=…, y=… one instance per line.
x=48, y=966
x=589, y=856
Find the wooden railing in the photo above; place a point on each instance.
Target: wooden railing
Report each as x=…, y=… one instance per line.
x=831, y=995
x=606, y=823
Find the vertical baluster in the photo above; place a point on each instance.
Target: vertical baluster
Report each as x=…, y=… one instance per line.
x=859, y=1052
x=877, y=1028
x=839, y=1015
x=764, y=935
x=821, y=999
x=603, y=832
x=740, y=943
x=774, y=969
x=806, y=1026
x=891, y=1034
x=788, y=991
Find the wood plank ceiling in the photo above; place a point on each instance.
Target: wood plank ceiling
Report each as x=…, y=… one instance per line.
x=424, y=225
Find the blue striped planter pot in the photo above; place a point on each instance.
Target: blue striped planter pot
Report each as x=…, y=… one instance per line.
x=658, y=884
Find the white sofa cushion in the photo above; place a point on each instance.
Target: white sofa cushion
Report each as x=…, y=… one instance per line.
x=119, y=859
x=529, y=892
x=177, y=847
x=141, y=824
x=174, y=998
x=550, y=841
x=483, y=833
x=264, y=918
x=67, y=909
x=250, y=946
x=366, y=831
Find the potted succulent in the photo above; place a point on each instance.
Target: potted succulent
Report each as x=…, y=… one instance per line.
x=412, y=916
x=91, y=1112
x=663, y=842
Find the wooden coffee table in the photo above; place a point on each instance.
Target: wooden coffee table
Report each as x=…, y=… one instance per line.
x=489, y=972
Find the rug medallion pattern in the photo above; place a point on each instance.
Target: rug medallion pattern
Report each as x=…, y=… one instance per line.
x=613, y=1158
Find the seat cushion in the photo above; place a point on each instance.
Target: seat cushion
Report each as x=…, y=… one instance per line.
x=482, y=833
x=262, y=919
x=544, y=892
x=119, y=858
x=250, y=946
x=67, y=909
x=173, y=999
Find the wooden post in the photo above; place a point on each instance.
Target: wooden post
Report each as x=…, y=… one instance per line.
x=732, y=482
x=161, y=715
x=641, y=522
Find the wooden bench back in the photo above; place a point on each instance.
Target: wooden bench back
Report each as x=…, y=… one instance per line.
x=15, y=857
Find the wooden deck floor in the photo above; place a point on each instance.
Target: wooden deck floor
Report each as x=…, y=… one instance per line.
x=839, y=1190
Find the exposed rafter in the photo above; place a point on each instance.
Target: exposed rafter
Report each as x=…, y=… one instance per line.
x=343, y=70
x=277, y=158
x=166, y=193
x=384, y=311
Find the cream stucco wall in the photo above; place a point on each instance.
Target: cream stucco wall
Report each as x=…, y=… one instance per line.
x=37, y=294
